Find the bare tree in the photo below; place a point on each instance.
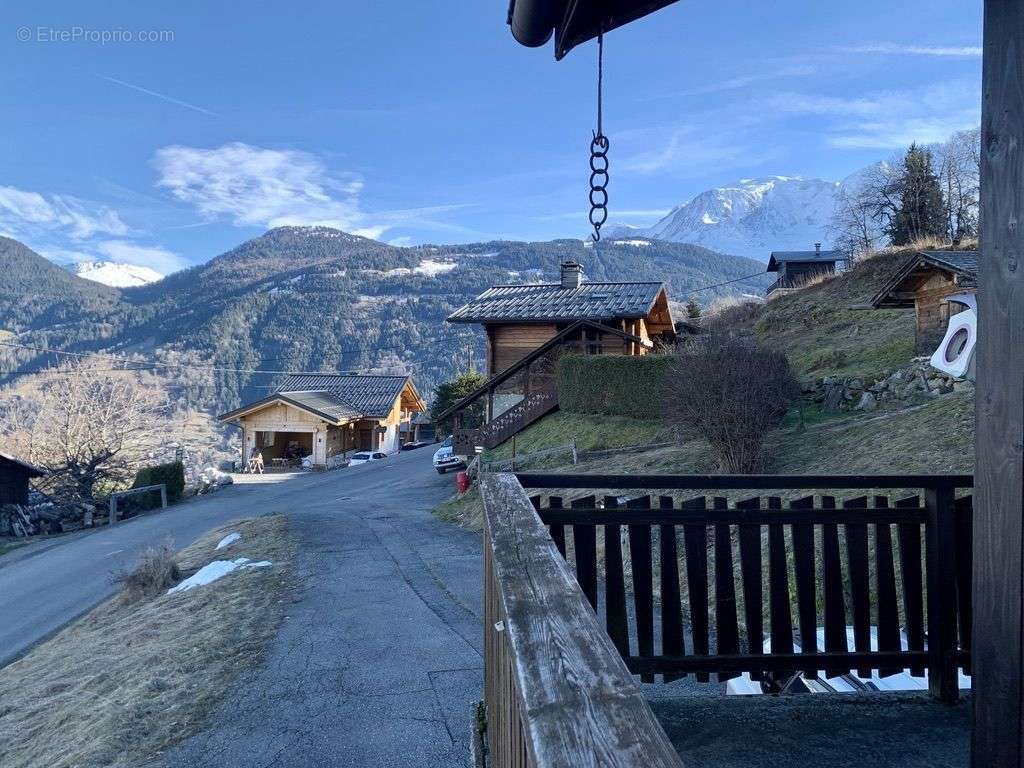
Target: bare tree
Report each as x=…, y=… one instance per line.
x=854, y=226
x=91, y=427
x=959, y=172
x=732, y=392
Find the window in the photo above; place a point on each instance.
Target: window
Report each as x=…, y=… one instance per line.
x=380, y=455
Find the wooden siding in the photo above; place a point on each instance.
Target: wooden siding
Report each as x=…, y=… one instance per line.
x=508, y=344
x=13, y=486
x=932, y=310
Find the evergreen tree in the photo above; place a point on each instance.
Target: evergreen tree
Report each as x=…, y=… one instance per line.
x=922, y=209
x=693, y=309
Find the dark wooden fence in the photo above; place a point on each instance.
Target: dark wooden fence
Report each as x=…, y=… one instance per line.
x=827, y=562
x=557, y=692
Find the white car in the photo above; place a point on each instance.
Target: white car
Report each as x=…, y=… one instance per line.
x=445, y=458
x=364, y=457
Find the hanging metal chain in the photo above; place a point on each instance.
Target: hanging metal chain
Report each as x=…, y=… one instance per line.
x=599, y=156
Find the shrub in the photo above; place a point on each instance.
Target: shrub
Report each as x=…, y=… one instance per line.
x=613, y=385
x=171, y=474
x=155, y=571
x=730, y=391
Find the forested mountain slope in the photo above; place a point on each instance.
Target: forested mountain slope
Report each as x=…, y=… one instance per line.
x=312, y=298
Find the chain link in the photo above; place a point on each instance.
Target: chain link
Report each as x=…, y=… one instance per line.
x=599, y=155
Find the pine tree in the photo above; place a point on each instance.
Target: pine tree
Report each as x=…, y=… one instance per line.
x=693, y=309
x=922, y=209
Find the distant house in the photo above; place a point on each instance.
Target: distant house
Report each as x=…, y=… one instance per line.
x=326, y=415
x=520, y=318
x=14, y=477
x=798, y=267
x=529, y=326
x=923, y=282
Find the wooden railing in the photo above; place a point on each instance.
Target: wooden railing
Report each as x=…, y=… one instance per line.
x=557, y=692
x=832, y=561
x=511, y=422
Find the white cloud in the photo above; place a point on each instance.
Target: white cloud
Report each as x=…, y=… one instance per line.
x=890, y=119
x=401, y=242
x=741, y=81
x=160, y=259
x=256, y=186
x=27, y=213
x=958, y=51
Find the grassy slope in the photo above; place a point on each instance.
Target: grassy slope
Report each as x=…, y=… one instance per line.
x=132, y=678
x=822, y=336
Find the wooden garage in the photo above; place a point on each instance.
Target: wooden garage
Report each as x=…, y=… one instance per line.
x=923, y=282
x=318, y=419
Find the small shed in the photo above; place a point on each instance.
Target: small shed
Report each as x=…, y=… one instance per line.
x=798, y=267
x=923, y=283
x=14, y=477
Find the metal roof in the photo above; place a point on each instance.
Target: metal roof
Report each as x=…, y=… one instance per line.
x=551, y=302
x=781, y=257
x=370, y=396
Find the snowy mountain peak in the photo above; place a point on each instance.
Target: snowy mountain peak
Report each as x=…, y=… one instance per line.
x=751, y=217
x=116, y=275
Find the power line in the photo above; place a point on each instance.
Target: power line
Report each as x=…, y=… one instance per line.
x=727, y=282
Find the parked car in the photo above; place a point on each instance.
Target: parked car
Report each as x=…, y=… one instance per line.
x=445, y=458
x=365, y=457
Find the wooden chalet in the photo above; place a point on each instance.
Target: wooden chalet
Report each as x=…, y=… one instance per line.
x=14, y=477
x=529, y=326
x=795, y=268
x=923, y=283
x=327, y=415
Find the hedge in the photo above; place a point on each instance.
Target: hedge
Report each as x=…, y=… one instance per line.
x=171, y=474
x=613, y=385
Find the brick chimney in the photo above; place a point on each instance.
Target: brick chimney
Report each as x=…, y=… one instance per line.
x=817, y=248
x=572, y=274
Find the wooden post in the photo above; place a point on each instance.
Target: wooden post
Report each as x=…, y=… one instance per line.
x=163, y=496
x=943, y=681
x=998, y=645
x=112, y=513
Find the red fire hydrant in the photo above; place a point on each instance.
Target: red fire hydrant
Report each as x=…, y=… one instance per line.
x=462, y=482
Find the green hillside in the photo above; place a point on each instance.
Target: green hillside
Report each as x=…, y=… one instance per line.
x=824, y=333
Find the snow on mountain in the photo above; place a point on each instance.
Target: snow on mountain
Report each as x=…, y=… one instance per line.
x=116, y=275
x=750, y=218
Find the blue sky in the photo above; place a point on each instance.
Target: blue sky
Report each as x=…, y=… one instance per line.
x=424, y=122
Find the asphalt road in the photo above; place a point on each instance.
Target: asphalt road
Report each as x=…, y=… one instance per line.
x=379, y=658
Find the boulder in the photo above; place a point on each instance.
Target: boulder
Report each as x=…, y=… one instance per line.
x=867, y=402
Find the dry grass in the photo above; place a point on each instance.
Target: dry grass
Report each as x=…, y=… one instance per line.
x=155, y=572
x=139, y=674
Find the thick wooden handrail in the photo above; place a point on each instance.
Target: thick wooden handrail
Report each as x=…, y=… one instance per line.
x=557, y=691
x=743, y=482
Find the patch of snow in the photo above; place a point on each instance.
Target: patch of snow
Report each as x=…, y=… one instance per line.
x=228, y=540
x=218, y=569
x=432, y=268
x=637, y=243
x=117, y=275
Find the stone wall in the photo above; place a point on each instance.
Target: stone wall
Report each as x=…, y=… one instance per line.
x=914, y=383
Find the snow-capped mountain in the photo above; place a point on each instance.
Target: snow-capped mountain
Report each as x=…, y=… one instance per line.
x=116, y=275
x=750, y=218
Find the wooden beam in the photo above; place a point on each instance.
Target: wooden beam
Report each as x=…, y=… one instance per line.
x=998, y=646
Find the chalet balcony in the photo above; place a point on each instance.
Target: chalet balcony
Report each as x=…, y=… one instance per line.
x=614, y=618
